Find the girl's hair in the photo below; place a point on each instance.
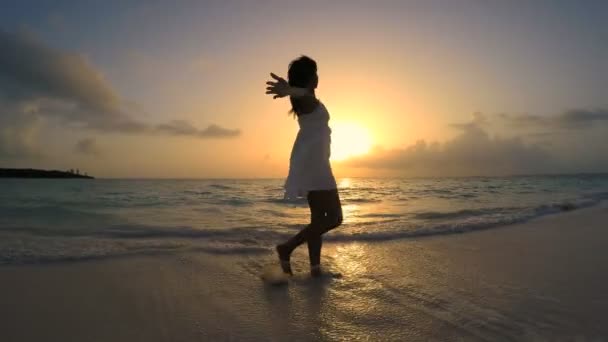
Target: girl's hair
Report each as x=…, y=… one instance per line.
x=302, y=72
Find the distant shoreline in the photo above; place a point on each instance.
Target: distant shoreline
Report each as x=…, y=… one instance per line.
x=34, y=173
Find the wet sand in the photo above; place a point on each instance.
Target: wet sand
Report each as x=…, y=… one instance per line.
x=542, y=280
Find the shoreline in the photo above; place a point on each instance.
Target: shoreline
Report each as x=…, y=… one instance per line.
x=404, y=236
x=544, y=279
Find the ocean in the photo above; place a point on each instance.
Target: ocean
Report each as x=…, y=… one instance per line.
x=48, y=220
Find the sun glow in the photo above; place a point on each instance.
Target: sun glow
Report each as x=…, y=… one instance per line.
x=348, y=140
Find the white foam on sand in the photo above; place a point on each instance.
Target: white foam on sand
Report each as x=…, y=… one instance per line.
x=544, y=279
x=273, y=275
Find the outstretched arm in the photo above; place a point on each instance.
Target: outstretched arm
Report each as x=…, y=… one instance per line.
x=281, y=88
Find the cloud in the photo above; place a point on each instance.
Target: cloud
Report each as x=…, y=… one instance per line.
x=18, y=135
x=573, y=141
x=38, y=80
x=579, y=117
x=180, y=127
x=87, y=146
x=33, y=71
x=473, y=152
x=571, y=119
x=479, y=119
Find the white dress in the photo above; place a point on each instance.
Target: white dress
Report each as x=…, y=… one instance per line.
x=309, y=167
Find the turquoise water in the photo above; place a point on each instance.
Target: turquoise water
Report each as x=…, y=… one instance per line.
x=46, y=220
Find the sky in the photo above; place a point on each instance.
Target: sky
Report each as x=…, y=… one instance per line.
x=175, y=89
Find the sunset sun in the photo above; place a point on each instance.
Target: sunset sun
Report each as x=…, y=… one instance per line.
x=348, y=140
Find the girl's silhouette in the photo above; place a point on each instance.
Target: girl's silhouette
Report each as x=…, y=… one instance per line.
x=310, y=173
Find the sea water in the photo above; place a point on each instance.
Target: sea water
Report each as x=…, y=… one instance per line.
x=48, y=220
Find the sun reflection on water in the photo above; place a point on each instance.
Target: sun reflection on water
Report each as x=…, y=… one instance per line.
x=354, y=298
x=349, y=212
x=344, y=183
x=350, y=259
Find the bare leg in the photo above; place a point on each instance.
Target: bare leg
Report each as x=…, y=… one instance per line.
x=310, y=232
x=314, y=254
x=326, y=214
x=332, y=219
x=284, y=255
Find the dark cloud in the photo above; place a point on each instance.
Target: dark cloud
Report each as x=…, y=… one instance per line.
x=572, y=119
x=18, y=135
x=218, y=132
x=31, y=71
x=523, y=120
x=37, y=80
x=582, y=117
x=479, y=119
x=87, y=146
x=180, y=127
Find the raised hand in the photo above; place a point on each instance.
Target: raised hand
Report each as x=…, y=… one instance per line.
x=280, y=88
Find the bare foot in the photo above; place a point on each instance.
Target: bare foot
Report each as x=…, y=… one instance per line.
x=315, y=271
x=284, y=256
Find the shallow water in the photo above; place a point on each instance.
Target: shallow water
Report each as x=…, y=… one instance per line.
x=45, y=220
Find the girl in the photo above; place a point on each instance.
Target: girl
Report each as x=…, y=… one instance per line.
x=310, y=173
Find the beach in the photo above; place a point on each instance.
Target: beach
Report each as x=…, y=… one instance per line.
x=544, y=279
x=447, y=161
